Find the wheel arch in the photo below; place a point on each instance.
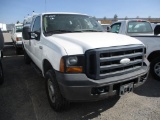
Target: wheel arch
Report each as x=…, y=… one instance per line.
x=46, y=66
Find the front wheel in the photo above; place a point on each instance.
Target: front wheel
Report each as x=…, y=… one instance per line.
x=155, y=68
x=56, y=100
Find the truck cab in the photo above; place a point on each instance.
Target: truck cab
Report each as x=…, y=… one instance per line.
x=143, y=31
x=132, y=27
x=80, y=61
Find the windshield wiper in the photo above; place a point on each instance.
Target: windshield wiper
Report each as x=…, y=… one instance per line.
x=89, y=30
x=58, y=31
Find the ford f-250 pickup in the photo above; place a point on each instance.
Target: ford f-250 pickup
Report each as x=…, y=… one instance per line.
x=143, y=31
x=80, y=61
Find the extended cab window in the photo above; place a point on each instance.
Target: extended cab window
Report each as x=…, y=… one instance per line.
x=115, y=28
x=139, y=27
x=36, y=25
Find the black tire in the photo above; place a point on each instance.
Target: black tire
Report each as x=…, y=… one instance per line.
x=1, y=73
x=56, y=100
x=155, y=68
x=27, y=59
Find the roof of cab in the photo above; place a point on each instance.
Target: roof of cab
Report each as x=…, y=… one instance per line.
x=132, y=20
x=63, y=13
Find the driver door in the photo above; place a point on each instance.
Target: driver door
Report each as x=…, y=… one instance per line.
x=37, y=48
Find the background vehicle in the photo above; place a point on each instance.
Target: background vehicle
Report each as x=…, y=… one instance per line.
x=80, y=61
x=154, y=25
x=3, y=27
x=1, y=55
x=16, y=36
x=143, y=31
x=106, y=27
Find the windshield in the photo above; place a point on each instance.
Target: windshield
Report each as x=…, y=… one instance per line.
x=19, y=28
x=60, y=23
x=139, y=27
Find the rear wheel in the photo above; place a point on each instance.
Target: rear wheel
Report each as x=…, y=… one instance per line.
x=56, y=100
x=155, y=68
x=1, y=73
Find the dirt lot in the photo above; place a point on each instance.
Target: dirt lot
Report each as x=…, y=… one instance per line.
x=23, y=97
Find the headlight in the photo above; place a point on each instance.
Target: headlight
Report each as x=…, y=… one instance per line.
x=72, y=64
x=73, y=60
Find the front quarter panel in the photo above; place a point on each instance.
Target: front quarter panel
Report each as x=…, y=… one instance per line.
x=52, y=52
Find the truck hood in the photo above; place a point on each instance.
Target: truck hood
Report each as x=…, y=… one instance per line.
x=78, y=43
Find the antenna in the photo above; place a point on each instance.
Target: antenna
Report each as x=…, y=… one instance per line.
x=45, y=5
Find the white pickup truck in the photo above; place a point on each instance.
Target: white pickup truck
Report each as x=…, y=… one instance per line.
x=80, y=61
x=16, y=36
x=143, y=31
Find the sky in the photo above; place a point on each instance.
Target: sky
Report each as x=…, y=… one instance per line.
x=12, y=11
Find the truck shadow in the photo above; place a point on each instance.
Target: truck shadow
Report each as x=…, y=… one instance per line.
x=151, y=88
x=9, y=50
x=92, y=110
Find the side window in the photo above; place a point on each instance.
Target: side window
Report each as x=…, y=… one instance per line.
x=115, y=28
x=36, y=25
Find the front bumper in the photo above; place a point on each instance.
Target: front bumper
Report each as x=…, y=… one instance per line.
x=78, y=87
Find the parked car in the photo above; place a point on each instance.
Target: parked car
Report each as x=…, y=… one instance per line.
x=80, y=61
x=16, y=36
x=143, y=31
x=1, y=55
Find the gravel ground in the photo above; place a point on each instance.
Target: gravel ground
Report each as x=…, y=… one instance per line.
x=23, y=97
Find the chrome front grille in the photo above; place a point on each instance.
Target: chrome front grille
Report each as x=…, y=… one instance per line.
x=102, y=63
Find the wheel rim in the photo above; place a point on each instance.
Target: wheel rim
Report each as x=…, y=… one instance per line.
x=51, y=91
x=157, y=69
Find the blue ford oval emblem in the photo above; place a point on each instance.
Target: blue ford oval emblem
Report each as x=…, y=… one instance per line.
x=125, y=61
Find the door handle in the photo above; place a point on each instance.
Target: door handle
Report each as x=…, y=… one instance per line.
x=40, y=47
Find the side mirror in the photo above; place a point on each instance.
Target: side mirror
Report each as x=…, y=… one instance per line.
x=26, y=33
x=35, y=35
x=157, y=30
